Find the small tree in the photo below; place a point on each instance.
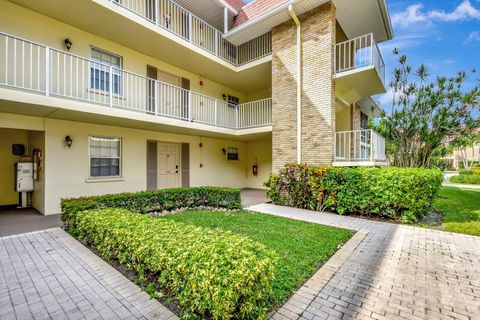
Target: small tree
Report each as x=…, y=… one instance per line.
x=463, y=143
x=425, y=115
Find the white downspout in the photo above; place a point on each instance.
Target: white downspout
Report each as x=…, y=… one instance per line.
x=299, y=83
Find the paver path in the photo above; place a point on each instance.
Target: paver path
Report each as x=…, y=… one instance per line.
x=395, y=272
x=49, y=275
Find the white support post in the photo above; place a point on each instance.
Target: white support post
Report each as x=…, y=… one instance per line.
x=190, y=27
x=371, y=49
x=236, y=116
x=157, y=13
x=110, y=85
x=216, y=111
x=216, y=43
x=189, y=106
x=225, y=20
x=156, y=100
x=47, y=71
x=371, y=145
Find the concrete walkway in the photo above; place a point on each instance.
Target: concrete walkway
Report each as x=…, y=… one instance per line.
x=462, y=186
x=50, y=275
x=252, y=197
x=395, y=272
x=16, y=221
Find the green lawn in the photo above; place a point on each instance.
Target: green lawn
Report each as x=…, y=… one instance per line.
x=302, y=247
x=461, y=208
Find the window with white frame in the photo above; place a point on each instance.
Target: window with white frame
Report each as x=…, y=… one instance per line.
x=232, y=153
x=100, y=68
x=105, y=156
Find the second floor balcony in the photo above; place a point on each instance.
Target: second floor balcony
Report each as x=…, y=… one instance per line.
x=33, y=67
x=359, y=68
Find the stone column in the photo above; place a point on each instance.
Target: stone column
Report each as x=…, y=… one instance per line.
x=318, y=91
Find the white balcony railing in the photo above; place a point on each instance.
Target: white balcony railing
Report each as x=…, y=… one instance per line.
x=181, y=22
x=359, y=145
x=359, y=53
x=35, y=67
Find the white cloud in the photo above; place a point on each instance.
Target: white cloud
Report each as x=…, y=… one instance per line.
x=474, y=36
x=414, y=15
x=402, y=43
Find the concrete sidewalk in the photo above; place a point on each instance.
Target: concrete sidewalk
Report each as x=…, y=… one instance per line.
x=395, y=272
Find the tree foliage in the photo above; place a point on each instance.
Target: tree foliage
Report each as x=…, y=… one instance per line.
x=427, y=115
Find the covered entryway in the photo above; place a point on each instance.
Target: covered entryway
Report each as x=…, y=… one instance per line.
x=17, y=221
x=167, y=165
x=25, y=147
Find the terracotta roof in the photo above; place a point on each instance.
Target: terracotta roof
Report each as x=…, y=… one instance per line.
x=237, y=4
x=254, y=10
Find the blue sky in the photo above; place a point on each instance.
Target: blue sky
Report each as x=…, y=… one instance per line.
x=442, y=34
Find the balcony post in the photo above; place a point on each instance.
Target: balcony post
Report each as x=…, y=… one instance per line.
x=110, y=85
x=47, y=71
x=157, y=13
x=225, y=19
x=190, y=27
x=216, y=43
x=236, y=116
x=371, y=145
x=189, y=106
x=156, y=100
x=216, y=111
x=372, y=62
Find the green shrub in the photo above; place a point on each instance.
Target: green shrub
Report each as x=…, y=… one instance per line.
x=466, y=172
x=404, y=194
x=213, y=274
x=158, y=200
x=474, y=179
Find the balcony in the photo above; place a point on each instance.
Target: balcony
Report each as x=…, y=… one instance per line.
x=181, y=22
x=359, y=69
x=359, y=148
x=33, y=67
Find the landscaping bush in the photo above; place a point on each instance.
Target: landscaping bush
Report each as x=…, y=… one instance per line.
x=158, y=200
x=404, y=194
x=473, y=179
x=466, y=172
x=213, y=274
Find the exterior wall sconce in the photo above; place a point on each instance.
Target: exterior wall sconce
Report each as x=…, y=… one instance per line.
x=224, y=97
x=224, y=151
x=68, y=141
x=68, y=44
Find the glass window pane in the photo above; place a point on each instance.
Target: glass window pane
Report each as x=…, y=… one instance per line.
x=104, y=157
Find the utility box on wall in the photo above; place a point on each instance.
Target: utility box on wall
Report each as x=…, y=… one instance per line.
x=23, y=181
x=24, y=176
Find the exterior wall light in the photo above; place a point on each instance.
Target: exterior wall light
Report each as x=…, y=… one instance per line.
x=68, y=141
x=68, y=44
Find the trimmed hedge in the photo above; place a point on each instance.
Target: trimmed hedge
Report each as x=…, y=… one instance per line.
x=213, y=274
x=404, y=194
x=471, y=172
x=158, y=200
x=467, y=179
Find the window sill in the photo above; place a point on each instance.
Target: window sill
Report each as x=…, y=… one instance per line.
x=104, y=179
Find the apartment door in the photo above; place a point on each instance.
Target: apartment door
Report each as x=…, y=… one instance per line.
x=185, y=98
x=151, y=74
x=168, y=165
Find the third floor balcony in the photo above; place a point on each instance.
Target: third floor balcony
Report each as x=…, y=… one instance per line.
x=359, y=68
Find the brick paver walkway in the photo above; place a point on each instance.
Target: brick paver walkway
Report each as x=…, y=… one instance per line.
x=49, y=275
x=394, y=272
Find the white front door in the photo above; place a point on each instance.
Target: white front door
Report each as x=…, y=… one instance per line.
x=168, y=173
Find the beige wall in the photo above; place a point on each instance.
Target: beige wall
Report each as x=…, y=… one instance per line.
x=65, y=171
x=52, y=33
x=8, y=137
x=342, y=118
x=260, y=153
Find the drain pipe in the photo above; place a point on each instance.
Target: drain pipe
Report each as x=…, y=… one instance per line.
x=299, y=83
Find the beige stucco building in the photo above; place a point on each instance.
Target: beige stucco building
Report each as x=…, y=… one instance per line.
x=109, y=96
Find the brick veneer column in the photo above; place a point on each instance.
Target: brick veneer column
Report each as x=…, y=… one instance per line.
x=318, y=92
